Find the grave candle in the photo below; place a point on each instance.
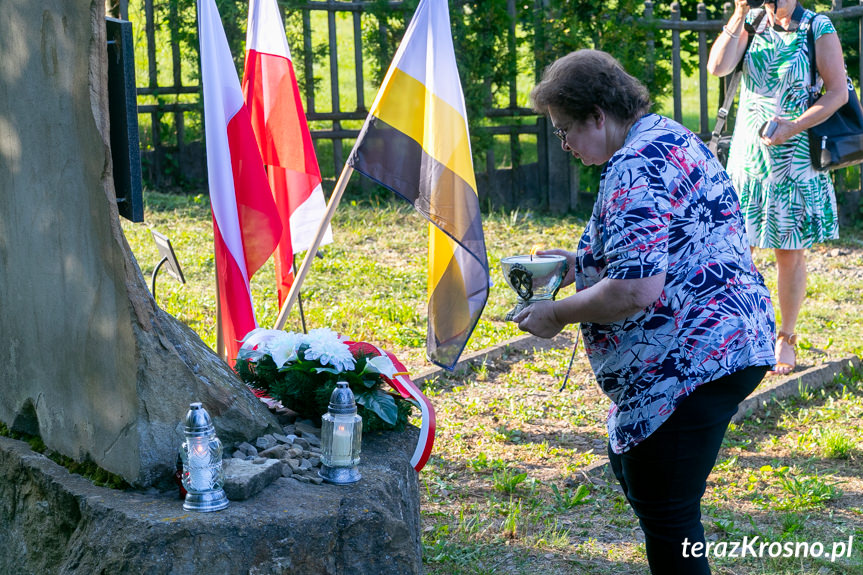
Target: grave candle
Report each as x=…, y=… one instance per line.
x=341, y=432
x=342, y=443
x=201, y=455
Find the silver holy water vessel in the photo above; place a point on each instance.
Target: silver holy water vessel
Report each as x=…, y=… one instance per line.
x=533, y=277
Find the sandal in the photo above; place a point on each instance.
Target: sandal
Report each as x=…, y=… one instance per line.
x=781, y=367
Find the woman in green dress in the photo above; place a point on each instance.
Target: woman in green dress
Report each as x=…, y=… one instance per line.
x=788, y=205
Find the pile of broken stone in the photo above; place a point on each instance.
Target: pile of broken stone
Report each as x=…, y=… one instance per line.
x=296, y=454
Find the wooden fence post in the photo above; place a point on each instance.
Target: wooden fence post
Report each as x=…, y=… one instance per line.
x=562, y=194
x=703, y=76
x=675, y=64
x=338, y=159
x=651, y=42
x=839, y=175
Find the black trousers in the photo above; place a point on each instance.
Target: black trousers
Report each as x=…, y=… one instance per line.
x=665, y=476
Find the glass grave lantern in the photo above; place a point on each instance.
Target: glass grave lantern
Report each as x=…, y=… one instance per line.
x=202, y=463
x=341, y=437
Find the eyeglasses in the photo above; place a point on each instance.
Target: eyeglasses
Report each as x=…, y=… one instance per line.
x=560, y=133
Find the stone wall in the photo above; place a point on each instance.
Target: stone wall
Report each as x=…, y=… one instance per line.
x=87, y=360
x=55, y=522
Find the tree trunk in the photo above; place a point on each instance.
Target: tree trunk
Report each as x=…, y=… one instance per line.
x=87, y=359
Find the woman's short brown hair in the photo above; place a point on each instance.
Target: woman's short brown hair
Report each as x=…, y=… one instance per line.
x=582, y=81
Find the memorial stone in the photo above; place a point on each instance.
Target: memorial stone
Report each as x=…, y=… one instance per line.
x=87, y=360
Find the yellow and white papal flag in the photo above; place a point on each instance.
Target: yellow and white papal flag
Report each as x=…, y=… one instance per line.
x=415, y=142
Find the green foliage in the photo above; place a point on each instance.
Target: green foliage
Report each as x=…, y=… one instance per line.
x=305, y=387
x=382, y=34
x=512, y=519
x=508, y=479
x=495, y=50
x=805, y=492
x=482, y=463
x=90, y=471
x=499, y=54
x=569, y=498
x=836, y=444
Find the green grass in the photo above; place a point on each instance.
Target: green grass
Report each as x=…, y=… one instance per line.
x=836, y=444
x=508, y=480
x=507, y=489
x=370, y=283
x=559, y=521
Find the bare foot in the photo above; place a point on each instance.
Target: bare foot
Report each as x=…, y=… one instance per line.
x=786, y=354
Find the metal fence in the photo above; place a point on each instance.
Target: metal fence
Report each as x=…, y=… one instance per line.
x=524, y=165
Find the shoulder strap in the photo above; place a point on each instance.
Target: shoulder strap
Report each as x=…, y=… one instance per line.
x=725, y=109
x=731, y=89
x=810, y=44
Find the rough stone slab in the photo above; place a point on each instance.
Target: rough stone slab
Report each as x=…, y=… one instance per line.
x=264, y=443
x=306, y=428
x=245, y=479
x=55, y=522
x=275, y=452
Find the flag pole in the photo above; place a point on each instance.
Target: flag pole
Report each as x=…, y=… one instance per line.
x=299, y=298
x=338, y=192
x=221, y=349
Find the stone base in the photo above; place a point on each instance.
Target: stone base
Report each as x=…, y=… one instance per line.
x=54, y=522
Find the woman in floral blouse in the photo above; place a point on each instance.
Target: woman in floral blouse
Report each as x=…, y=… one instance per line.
x=677, y=322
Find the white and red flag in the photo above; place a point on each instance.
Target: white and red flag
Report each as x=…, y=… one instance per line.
x=246, y=224
x=273, y=97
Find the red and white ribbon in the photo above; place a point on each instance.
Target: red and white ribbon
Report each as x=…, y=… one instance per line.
x=396, y=374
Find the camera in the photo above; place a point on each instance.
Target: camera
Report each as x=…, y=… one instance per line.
x=759, y=3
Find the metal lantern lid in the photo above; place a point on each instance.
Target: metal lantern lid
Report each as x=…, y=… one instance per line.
x=198, y=421
x=342, y=400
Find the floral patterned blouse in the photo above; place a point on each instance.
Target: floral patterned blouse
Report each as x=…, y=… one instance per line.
x=666, y=204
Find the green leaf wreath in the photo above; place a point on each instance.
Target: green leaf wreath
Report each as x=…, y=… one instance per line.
x=301, y=371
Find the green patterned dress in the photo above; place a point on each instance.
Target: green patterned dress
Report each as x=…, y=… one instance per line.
x=786, y=203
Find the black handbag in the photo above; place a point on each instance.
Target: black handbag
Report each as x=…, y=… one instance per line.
x=836, y=142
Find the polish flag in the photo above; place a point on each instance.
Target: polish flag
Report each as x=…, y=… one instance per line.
x=273, y=97
x=246, y=224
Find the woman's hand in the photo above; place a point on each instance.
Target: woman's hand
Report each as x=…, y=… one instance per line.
x=831, y=68
x=785, y=129
x=539, y=319
x=608, y=301
x=729, y=46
